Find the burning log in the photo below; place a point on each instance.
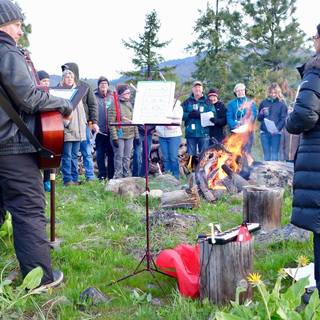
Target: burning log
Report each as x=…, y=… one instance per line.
x=181, y=199
x=235, y=178
x=263, y=205
x=223, y=269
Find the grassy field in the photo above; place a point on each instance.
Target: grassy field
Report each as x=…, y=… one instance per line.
x=103, y=240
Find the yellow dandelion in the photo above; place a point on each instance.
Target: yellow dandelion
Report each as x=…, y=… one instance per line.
x=282, y=273
x=254, y=278
x=302, y=261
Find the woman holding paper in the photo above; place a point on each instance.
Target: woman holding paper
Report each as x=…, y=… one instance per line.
x=272, y=115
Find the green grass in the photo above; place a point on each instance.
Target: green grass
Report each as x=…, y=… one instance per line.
x=103, y=238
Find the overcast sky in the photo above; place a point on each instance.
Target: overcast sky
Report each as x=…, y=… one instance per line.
x=90, y=32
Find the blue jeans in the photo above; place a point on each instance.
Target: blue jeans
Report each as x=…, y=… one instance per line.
x=193, y=143
x=270, y=145
x=85, y=149
x=139, y=158
x=103, y=149
x=169, y=149
x=69, y=161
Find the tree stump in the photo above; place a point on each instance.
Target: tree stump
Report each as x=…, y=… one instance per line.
x=263, y=205
x=223, y=269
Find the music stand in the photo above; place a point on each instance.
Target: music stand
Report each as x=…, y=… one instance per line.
x=150, y=264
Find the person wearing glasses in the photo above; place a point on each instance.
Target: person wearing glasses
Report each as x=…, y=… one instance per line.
x=305, y=120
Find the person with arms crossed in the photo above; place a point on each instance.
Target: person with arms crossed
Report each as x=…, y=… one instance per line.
x=21, y=187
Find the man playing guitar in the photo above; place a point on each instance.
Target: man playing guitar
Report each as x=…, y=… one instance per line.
x=21, y=188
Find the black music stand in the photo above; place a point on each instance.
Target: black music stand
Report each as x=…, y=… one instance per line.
x=150, y=264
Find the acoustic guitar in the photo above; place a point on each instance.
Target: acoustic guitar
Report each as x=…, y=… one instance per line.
x=49, y=128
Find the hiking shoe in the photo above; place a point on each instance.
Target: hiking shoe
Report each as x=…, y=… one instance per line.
x=57, y=280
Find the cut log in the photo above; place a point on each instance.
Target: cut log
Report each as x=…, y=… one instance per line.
x=181, y=199
x=236, y=179
x=223, y=269
x=263, y=205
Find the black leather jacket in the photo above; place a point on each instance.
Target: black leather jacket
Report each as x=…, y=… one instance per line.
x=17, y=82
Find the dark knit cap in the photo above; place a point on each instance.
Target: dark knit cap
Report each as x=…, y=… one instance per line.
x=121, y=88
x=9, y=11
x=43, y=75
x=213, y=92
x=318, y=29
x=102, y=79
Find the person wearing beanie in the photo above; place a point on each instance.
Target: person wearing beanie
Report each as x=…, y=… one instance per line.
x=122, y=136
x=21, y=187
x=219, y=120
x=305, y=121
x=103, y=141
x=90, y=106
x=242, y=111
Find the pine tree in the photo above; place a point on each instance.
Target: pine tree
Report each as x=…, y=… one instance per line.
x=146, y=58
x=217, y=44
x=273, y=35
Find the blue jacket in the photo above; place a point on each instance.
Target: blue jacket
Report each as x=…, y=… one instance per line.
x=235, y=114
x=193, y=128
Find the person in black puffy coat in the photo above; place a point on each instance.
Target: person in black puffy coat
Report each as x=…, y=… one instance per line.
x=305, y=120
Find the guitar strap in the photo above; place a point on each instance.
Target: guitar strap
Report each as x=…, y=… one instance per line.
x=14, y=116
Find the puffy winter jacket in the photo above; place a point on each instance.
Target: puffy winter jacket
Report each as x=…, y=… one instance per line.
x=305, y=120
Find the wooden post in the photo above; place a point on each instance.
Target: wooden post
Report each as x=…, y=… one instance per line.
x=223, y=268
x=263, y=205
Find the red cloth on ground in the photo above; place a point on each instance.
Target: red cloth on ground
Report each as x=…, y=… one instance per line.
x=183, y=263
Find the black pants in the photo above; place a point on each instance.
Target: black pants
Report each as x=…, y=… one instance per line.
x=103, y=149
x=21, y=193
x=316, y=252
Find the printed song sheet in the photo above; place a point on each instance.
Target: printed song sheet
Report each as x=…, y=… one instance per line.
x=154, y=102
x=205, y=119
x=271, y=127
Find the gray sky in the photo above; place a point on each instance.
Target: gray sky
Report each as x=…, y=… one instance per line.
x=90, y=33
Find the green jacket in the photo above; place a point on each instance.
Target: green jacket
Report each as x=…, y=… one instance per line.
x=126, y=112
x=193, y=128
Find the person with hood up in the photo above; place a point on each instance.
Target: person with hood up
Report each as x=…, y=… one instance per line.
x=305, y=120
x=91, y=111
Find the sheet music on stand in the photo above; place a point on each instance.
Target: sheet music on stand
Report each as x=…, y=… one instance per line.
x=154, y=102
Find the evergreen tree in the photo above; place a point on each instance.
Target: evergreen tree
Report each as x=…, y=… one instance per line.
x=146, y=58
x=217, y=45
x=274, y=38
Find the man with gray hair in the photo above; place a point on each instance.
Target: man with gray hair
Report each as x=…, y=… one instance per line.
x=21, y=188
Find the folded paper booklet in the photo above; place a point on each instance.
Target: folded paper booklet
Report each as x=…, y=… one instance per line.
x=271, y=126
x=302, y=272
x=241, y=129
x=205, y=119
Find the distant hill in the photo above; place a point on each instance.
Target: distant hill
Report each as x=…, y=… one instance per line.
x=184, y=68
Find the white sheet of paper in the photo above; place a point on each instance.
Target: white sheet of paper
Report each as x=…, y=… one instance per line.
x=271, y=127
x=241, y=129
x=63, y=93
x=302, y=272
x=205, y=119
x=154, y=102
